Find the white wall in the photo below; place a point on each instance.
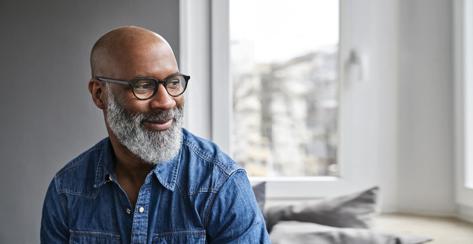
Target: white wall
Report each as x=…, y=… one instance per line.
x=426, y=112
x=369, y=108
x=47, y=116
x=402, y=114
x=400, y=119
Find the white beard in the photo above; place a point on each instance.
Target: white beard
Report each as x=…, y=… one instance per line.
x=151, y=146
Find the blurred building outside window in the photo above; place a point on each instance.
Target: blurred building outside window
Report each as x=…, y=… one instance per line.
x=284, y=77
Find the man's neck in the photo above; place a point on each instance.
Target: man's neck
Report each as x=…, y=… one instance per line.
x=131, y=171
x=128, y=164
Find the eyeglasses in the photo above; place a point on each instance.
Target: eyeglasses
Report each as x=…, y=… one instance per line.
x=145, y=88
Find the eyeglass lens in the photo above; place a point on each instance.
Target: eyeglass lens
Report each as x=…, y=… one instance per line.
x=145, y=88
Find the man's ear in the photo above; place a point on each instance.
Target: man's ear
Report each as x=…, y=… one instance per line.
x=98, y=94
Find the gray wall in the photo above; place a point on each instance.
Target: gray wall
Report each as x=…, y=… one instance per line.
x=47, y=116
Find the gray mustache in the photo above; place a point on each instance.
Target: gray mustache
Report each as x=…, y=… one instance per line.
x=161, y=116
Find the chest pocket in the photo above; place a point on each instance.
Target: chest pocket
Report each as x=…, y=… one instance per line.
x=196, y=236
x=82, y=237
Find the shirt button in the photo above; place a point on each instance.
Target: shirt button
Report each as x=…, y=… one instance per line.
x=141, y=209
x=128, y=211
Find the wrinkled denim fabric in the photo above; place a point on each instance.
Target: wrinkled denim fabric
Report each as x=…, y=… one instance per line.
x=199, y=196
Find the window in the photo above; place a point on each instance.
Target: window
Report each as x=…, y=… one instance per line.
x=356, y=107
x=284, y=86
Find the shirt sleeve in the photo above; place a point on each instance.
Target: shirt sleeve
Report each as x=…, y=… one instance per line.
x=53, y=222
x=235, y=216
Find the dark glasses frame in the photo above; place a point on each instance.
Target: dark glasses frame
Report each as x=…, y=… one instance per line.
x=132, y=83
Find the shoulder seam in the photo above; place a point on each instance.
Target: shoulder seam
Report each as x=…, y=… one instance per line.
x=209, y=159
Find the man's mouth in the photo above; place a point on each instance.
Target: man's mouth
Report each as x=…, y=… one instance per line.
x=158, y=124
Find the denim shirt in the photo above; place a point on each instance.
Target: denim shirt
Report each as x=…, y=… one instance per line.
x=199, y=196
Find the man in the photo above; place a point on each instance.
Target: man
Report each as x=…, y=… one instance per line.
x=150, y=181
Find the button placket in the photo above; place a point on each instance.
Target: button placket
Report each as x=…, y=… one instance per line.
x=140, y=217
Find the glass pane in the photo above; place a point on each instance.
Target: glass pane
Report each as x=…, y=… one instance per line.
x=284, y=71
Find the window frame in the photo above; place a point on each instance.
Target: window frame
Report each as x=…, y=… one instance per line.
x=279, y=188
x=463, y=55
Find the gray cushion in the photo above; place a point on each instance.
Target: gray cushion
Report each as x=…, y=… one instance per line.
x=291, y=232
x=354, y=210
x=260, y=194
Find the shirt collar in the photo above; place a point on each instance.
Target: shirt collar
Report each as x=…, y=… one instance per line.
x=166, y=172
x=105, y=163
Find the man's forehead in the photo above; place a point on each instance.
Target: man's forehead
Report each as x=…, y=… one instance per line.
x=130, y=39
x=129, y=45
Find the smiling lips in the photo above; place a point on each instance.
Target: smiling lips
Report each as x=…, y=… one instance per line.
x=158, y=125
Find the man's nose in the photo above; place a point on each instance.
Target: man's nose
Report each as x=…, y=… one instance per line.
x=162, y=100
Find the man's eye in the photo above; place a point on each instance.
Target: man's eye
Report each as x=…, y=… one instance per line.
x=144, y=83
x=173, y=83
x=143, y=86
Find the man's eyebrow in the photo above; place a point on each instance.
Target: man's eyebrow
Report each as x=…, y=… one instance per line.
x=150, y=77
x=173, y=74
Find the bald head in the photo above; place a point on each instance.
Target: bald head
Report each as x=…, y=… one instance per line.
x=129, y=51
